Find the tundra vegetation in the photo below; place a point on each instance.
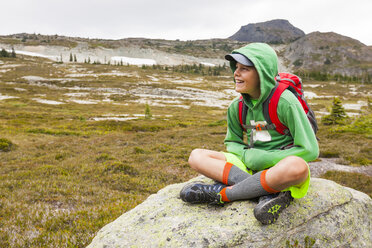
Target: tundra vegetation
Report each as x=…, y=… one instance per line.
x=80, y=144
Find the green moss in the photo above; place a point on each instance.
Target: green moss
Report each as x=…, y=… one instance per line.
x=138, y=150
x=50, y=170
x=222, y=122
x=6, y=145
x=61, y=156
x=162, y=148
x=362, y=125
x=103, y=157
x=308, y=243
x=356, y=181
x=329, y=154
x=114, y=167
x=53, y=132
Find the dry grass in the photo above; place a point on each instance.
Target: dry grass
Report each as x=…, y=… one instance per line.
x=357, y=181
x=67, y=176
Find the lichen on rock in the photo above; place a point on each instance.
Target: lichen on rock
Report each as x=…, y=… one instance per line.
x=329, y=216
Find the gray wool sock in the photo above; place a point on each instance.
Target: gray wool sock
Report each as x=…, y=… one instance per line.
x=249, y=188
x=236, y=175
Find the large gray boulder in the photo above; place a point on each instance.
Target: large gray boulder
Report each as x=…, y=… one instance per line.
x=329, y=216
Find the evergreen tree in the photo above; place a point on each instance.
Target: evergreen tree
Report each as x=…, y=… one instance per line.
x=369, y=100
x=4, y=53
x=13, y=55
x=338, y=110
x=71, y=58
x=148, y=114
x=337, y=116
x=75, y=60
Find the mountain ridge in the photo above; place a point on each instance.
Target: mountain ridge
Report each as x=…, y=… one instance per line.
x=276, y=31
x=316, y=52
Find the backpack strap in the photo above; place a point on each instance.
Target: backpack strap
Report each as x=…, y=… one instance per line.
x=243, y=108
x=270, y=107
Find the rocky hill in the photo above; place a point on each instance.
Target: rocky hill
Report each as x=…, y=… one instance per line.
x=274, y=32
x=330, y=53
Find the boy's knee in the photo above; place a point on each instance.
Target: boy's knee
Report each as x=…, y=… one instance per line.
x=297, y=168
x=195, y=157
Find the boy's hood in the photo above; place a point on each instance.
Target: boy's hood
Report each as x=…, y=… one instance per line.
x=265, y=61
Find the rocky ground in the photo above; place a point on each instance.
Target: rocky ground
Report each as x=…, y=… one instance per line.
x=327, y=164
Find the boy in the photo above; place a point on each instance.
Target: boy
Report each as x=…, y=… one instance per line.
x=274, y=166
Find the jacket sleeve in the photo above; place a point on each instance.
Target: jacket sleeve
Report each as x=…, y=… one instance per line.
x=234, y=140
x=292, y=115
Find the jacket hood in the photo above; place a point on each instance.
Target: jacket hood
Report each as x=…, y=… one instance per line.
x=265, y=61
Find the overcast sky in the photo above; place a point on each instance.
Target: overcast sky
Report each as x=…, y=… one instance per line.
x=181, y=19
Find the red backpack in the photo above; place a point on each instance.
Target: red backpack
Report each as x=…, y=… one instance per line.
x=283, y=81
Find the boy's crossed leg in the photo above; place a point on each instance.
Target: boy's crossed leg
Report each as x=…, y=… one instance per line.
x=289, y=171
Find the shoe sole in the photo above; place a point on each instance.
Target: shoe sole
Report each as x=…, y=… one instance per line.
x=183, y=195
x=269, y=212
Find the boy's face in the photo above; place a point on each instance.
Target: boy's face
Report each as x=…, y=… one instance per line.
x=247, y=80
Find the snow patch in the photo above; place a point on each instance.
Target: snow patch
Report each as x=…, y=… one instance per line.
x=33, y=54
x=187, y=81
x=355, y=106
x=133, y=61
x=47, y=101
x=10, y=66
x=4, y=97
x=77, y=94
x=20, y=89
x=310, y=95
x=207, y=64
x=114, y=118
x=153, y=78
x=34, y=78
x=89, y=101
x=352, y=114
x=312, y=85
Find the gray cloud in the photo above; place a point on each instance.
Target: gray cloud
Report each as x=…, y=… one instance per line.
x=185, y=20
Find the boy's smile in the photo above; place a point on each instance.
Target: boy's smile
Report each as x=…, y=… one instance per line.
x=247, y=80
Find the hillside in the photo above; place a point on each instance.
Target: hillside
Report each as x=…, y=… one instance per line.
x=330, y=53
x=211, y=48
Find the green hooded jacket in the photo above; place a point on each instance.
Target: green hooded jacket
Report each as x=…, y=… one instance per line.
x=266, y=151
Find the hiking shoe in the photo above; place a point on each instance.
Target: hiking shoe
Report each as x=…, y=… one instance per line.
x=198, y=192
x=269, y=207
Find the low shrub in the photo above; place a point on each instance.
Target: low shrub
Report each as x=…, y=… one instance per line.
x=6, y=145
